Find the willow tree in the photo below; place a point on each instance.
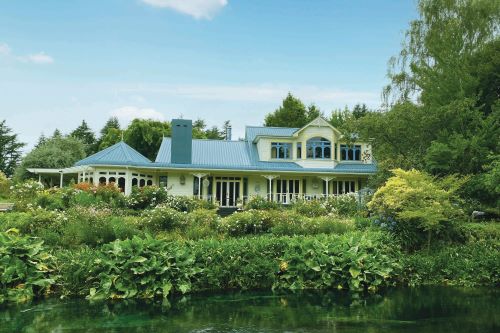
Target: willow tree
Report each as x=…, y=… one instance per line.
x=435, y=65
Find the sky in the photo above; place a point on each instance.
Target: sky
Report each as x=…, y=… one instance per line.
x=65, y=61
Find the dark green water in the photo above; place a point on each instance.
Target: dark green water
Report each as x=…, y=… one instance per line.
x=429, y=310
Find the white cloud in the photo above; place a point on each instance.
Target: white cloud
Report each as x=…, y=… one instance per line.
x=4, y=49
x=127, y=113
x=199, y=9
x=38, y=58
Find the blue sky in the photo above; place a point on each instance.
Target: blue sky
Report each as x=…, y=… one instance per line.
x=64, y=61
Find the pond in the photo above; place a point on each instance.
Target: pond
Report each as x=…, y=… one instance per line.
x=429, y=309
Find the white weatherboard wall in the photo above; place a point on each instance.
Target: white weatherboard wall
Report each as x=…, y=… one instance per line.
x=175, y=186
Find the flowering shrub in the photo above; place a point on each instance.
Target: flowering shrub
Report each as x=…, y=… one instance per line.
x=385, y=222
x=51, y=199
x=147, y=196
x=26, y=191
x=205, y=217
x=259, y=202
x=82, y=186
x=163, y=217
x=288, y=222
x=187, y=204
x=108, y=192
x=310, y=208
x=246, y=222
x=344, y=204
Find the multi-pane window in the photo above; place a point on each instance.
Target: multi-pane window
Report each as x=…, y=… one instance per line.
x=319, y=148
x=344, y=186
x=299, y=150
x=281, y=150
x=350, y=153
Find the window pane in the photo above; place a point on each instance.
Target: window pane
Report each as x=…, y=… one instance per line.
x=357, y=153
x=343, y=152
x=274, y=152
x=287, y=147
x=350, y=155
x=327, y=152
x=318, y=152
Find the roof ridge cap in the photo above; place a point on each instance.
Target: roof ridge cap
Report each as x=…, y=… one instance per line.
x=124, y=146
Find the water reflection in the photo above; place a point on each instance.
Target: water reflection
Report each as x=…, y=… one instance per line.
x=405, y=310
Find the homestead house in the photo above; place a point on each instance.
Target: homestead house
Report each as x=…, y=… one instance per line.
x=278, y=163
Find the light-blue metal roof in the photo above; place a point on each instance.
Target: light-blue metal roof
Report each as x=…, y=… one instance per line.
x=219, y=155
x=118, y=154
x=210, y=152
x=242, y=155
x=252, y=132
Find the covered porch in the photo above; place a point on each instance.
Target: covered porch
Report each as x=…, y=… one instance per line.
x=232, y=190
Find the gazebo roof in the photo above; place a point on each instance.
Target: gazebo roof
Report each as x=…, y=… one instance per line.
x=117, y=154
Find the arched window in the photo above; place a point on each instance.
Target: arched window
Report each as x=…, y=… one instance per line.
x=134, y=181
x=121, y=184
x=319, y=148
x=150, y=182
x=142, y=182
x=102, y=180
x=112, y=180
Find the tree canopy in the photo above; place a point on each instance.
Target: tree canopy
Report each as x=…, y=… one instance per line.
x=292, y=113
x=10, y=149
x=57, y=152
x=145, y=135
x=85, y=134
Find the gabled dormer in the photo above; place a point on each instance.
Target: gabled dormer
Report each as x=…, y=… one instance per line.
x=316, y=145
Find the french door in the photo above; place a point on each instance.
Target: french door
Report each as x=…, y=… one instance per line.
x=287, y=190
x=227, y=191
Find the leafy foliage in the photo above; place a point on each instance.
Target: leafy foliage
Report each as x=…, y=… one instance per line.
x=353, y=261
x=85, y=134
x=292, y=113
x=163, y=218
x=471, y=264
x=245, y=223
x=10, y=150
x=145, y=135
x=58, y=152
x=5, y=185
x=418, y=202
x=142, y=268
x=260, y=203
x=26, y=268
